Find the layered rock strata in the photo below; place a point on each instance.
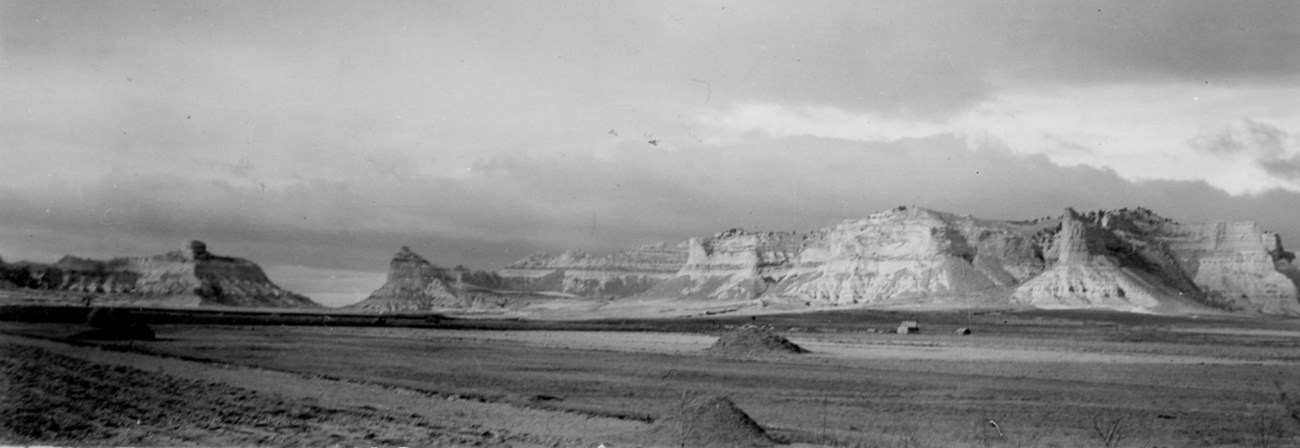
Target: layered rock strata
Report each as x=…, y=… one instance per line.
x=896, y=256
x=1124, y=260
x=577, y=273
x=414, y=284
x=191, y=276
x=1094, y=268
x=732, y=265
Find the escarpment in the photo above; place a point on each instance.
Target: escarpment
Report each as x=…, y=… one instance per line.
x=577, y=273
x=1097, y=268
x=188, y=277
x=913, y=254
x=732, y=265
x=413, y=284
x=901, y=255
x=1237, y=265
x=1129, y=260
x=906, y=257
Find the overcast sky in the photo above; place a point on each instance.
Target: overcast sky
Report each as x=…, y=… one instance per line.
x=318, y=137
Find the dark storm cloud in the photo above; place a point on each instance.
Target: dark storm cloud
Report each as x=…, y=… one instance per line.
x=1286, y=168
x=930, y=57
x=1250, y=137
x=1111, y=40
x=1273, y=149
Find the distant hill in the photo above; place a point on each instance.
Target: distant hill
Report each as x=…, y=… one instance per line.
x=1130, y=260
x=620, y=274
x=906, y=257
x=188, y=277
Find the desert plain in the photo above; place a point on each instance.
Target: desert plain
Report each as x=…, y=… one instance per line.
x=1022, y=378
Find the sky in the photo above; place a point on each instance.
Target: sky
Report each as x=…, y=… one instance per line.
x=316, y=138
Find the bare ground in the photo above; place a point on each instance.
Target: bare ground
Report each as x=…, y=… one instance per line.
x=1162, y=387
x=87, y=396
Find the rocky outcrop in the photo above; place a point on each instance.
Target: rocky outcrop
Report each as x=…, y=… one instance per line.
x=911, y=254
x=1236, y=264
x=1097, y=268
x=732, y=265
x=1132, y=260
x=577, y=273
x=192, y=276
x=897, y=256
x=413, y=284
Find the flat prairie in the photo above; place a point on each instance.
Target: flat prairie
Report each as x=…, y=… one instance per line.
x=1021, y=379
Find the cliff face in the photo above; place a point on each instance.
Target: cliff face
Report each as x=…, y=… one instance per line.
x=732, y=265
x=413, y=284
x=1236, y=265
x=901, y=255
x=913, y=254
x=617, y=275
x=1123, y=260
x=1109, y=267
x=192, y=276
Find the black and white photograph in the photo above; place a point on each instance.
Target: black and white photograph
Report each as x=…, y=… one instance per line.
x=634, y=223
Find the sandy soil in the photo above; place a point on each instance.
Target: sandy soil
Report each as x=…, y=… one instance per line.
x=61, y=394
x=1044, y=385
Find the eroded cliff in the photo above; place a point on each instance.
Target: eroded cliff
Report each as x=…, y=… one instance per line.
x=1131, y=260
x=188, y=277
x=1108, y=266
x=577, y=273
x=415, y=285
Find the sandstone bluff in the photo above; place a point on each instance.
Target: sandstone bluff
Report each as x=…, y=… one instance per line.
x=414, y=284
x=191, y=276
x=907, y=257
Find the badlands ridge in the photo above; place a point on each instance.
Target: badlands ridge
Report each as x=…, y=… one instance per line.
x=189, y=277
x=907, y=257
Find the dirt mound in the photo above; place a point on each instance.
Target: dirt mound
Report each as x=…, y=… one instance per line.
x=753, y=341
x=710, y=420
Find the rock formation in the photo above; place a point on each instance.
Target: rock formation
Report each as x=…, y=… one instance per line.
x=414, y=284
x=1132, y=260
x=901, y=255
x=911, y=254
x=733, y=265
x=1235, y=264
x=1096, y=268
x=192, y=276
x=572, y=272
x=1232, y=266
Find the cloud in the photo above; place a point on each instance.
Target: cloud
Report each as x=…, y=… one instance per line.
x=1275, y=151
x=1249, y=137
x=1141, y=131
x=1284, y=168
